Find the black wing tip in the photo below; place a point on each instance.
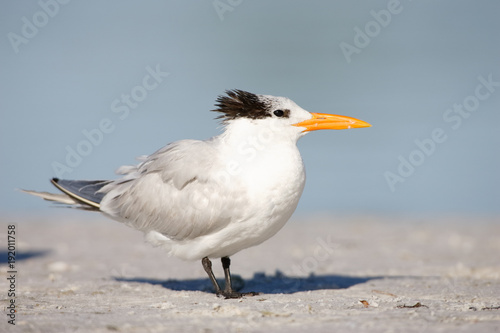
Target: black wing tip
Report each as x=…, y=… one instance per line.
x=65, y=187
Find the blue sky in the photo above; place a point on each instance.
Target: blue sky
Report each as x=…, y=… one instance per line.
x=425, y=74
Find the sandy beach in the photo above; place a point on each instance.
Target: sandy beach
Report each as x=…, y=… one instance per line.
x=321, y=275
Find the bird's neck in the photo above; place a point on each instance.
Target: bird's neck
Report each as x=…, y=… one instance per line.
x=262, y=161
x=257, y=134
x=247, y=148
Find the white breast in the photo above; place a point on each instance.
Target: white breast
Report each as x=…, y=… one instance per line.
x=270, y=187
x=210, y=198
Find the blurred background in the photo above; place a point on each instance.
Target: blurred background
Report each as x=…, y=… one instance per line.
x=77, y=101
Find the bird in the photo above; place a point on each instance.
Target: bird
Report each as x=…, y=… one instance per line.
x=209, y=199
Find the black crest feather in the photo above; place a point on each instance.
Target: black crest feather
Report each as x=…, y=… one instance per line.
x=241, y=104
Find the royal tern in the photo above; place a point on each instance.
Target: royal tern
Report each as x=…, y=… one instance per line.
x=213, y=198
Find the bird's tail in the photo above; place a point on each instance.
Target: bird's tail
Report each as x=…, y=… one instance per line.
x=83, y=194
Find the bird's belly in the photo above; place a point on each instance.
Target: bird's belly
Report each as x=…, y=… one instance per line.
x=264, y=216
x=269, y=197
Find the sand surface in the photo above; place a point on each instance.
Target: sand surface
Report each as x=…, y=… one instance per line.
x=91, y=274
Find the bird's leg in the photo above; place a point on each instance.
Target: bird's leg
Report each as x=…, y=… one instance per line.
x=207, y=266
x=228, y=291
x=228, y=288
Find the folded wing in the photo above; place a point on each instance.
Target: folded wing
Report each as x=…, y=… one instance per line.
x=180, y=191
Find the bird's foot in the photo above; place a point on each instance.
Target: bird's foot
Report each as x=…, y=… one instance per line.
x=227, y=294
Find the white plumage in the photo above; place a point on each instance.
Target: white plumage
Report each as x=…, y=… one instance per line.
x=213, y=198
x=216, y=197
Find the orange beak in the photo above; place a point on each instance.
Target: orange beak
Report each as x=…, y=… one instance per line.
x=321, y=121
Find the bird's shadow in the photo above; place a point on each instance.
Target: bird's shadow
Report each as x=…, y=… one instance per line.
x=18, y=256
x=260, y=282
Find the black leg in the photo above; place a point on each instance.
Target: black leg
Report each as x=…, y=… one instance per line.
x=207, y=265
x=228, y=288
x=228, y=291
x=226, y=262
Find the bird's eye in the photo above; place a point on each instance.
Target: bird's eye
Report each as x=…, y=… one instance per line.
x=279, y=113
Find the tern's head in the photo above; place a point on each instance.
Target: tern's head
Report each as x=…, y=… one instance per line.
x=279, y=113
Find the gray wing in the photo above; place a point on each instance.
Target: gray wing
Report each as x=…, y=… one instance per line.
x=178, y=191
x=83, y=191
x=81, y=194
